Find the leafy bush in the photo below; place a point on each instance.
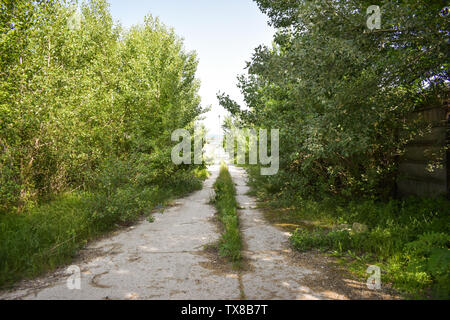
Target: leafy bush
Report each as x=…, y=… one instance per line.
x=341, y=94
x=86, y=116
x=410, y=239
x=87, y=94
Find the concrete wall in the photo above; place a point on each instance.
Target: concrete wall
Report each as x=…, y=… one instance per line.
x=414, y=178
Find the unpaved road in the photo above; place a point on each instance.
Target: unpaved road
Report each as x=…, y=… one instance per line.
x=167, y=259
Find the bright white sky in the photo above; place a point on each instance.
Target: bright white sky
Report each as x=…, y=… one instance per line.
x=224, y=33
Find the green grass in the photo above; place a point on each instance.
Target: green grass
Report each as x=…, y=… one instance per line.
x=408, y=239
x=49, y=235
x=230, y=244
x=43, y=237
x=202, y=173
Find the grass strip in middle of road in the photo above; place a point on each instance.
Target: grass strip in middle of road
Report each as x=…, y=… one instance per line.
x=230, y=244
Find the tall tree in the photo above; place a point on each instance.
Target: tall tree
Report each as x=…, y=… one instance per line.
x=341, y=93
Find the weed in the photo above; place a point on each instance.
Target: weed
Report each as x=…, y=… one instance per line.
x=409, y=239
x=230, y=244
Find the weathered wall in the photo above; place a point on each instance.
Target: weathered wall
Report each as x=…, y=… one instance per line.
x=414, y=177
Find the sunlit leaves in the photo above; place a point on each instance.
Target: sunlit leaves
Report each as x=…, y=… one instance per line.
x=72, y=97
x=341, y=93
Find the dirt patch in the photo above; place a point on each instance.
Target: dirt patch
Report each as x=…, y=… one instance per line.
x=215, y=262
x=287, y=221
x=334, y=280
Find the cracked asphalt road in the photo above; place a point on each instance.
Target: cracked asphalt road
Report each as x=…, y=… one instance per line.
x=167, y=259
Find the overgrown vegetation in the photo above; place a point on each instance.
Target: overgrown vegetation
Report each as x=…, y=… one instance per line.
x=342, y=97
x=49, y=235
x=408, y=239
x=230, y=244
x=86, y=115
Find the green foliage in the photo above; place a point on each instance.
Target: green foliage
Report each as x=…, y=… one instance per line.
x=409, y=239
x=430, y=254
x=44, y=238
x=72, y=97
x=202, y=173
x=343, y=98
x=342, y=95
x=86, y=115
x=230, y=244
